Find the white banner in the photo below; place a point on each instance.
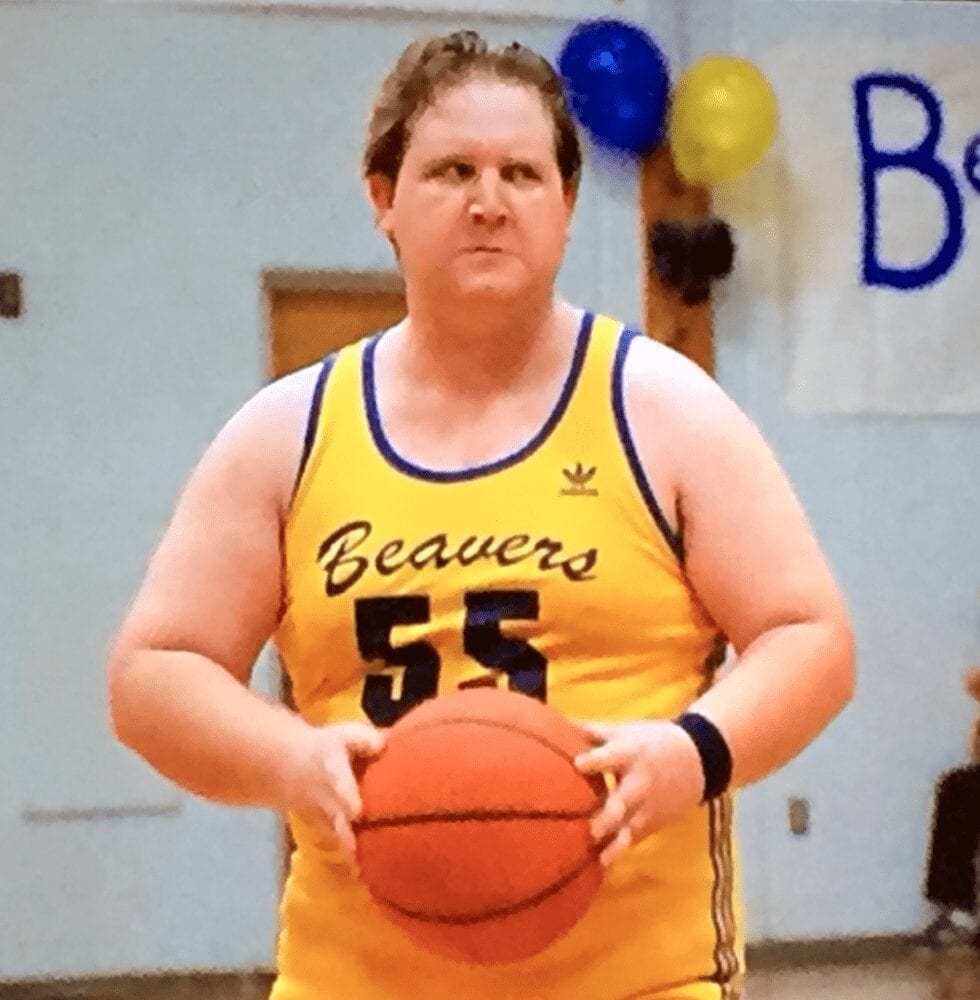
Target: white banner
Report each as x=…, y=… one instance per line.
x=877, y=200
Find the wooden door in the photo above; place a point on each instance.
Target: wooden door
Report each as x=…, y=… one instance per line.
x=310, y=315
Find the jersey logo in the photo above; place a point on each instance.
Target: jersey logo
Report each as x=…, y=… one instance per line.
x=579, y=477
x=344, y=561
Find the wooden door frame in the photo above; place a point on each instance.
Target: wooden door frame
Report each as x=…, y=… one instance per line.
x=664, y=196
x=284, y=279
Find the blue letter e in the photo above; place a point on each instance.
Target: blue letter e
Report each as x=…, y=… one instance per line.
x=923, y=160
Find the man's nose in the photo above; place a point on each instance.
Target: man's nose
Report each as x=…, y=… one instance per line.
x=489, y=201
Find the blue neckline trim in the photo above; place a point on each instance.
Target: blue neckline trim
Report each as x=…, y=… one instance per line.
x=476, y=471
x=313, y=417
x=673, y=539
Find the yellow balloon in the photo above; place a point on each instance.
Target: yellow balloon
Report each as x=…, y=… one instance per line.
x=723, y=118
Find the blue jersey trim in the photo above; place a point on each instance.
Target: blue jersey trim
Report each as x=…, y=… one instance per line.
x=675, y=542
x=476, y=471
x=314, y=416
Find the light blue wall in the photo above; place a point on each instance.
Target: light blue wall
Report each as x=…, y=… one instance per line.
x=154, y=162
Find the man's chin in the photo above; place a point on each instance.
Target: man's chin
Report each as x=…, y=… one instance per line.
x=489, y=289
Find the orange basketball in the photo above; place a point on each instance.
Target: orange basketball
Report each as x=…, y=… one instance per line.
x=474, y=836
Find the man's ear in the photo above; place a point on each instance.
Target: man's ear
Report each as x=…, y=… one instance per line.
x=570, y=191
x=381, y=194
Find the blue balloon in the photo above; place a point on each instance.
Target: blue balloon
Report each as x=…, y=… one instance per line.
x=618, y=84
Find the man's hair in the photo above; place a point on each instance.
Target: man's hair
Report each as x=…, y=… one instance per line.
x=431, y=66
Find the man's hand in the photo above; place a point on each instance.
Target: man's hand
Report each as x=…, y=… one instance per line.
x=318, y=783
x=659, y=779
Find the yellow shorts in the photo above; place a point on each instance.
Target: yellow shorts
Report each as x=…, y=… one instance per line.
x=691, y=991
x=687, y=991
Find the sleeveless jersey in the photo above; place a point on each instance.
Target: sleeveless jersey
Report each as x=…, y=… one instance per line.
x=551, y=571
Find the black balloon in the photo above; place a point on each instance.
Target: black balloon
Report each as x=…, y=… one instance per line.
x=690, y=256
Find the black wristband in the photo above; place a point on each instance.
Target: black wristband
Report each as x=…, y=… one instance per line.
x=716, y=758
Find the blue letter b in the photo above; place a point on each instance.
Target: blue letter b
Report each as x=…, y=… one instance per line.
x=922, y=159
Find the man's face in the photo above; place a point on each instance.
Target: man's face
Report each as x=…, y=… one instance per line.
x=479, y=208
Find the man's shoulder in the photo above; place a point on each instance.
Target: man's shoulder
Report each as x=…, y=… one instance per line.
x=295, y=387
x=270, y=427
x=660, y=376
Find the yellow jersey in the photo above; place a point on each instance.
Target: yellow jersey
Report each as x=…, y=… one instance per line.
x=551, y=571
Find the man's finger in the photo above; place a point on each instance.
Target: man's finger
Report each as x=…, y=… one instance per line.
x=608, y=757
x=640, y=821
x=345, y=838
x=598, y=732
x=620, y=842
x=609, y=818
x=345, y=785
x=618, y=808
x=363, y=740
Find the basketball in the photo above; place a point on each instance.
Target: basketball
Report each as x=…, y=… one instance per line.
x=474, y=836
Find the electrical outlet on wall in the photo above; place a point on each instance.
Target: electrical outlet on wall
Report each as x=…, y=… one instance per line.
x=799, y=817
x=11, y=295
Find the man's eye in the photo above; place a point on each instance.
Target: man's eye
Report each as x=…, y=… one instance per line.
x=521, y=171
x=458, y=171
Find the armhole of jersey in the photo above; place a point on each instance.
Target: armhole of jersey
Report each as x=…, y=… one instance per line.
x=673, y=539
x=313, y=420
